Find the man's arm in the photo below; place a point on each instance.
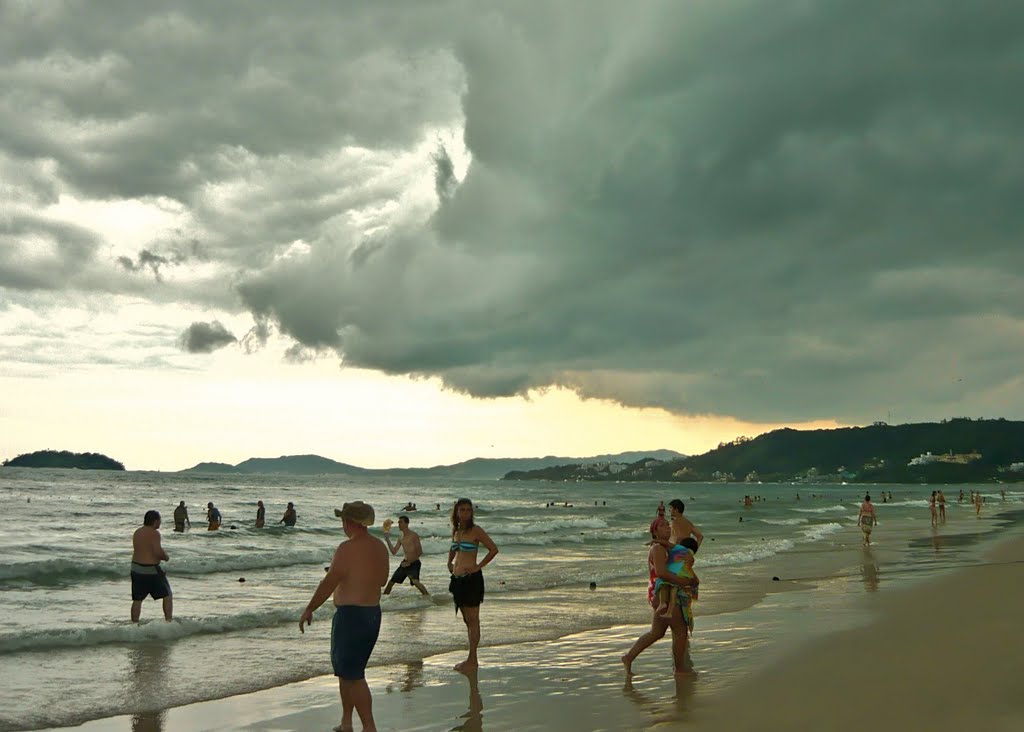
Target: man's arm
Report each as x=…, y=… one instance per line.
x=697, y=533
x=394, y=549
x=323, y=590
x=158, y=550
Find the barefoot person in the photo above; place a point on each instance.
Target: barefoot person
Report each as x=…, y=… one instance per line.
x=866, y=518
x=467, y=583
x=357, y=572
x=657, y=562
x=148, y=579
x=412, y=550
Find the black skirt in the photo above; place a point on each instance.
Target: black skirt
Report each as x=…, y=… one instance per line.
x=467, y=590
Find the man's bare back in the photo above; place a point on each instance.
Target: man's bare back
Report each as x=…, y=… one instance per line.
x=361, y=564
x=146, y=547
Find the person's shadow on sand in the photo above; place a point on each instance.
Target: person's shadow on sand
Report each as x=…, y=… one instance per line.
x=474, y=718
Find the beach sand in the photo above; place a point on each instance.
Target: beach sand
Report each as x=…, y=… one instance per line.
x=944, y=654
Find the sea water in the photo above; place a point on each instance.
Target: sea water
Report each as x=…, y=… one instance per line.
x=69, y=654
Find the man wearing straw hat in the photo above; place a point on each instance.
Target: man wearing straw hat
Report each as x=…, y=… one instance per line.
x=357, y=572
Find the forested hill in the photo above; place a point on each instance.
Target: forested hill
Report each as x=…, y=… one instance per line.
x=963, y=450
x=64, y=459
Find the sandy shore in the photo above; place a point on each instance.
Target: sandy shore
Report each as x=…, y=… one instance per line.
x=942, y=655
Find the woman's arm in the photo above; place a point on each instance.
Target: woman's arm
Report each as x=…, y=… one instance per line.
x=492, y=548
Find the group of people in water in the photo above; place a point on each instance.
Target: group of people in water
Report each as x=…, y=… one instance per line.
x=214, y=518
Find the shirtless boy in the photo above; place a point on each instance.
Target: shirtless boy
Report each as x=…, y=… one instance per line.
x=682, y=527
x=412, y=550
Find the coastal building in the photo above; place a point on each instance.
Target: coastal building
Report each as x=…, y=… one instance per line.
x=950, y=457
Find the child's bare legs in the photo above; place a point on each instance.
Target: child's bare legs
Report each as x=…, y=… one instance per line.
x=667, y=595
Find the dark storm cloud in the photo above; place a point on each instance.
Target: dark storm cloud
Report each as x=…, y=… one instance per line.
x=206, y=337
x=774, y=210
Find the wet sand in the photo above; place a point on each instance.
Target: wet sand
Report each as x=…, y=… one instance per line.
x=941, y=655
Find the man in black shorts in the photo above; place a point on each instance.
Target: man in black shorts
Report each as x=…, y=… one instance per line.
x=148, y=579
x=413, y=550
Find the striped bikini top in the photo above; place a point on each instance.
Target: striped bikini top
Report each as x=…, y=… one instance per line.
x=464, y=546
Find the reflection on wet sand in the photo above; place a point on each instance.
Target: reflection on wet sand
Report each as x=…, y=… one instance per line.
x=474, y=717
x=659, y=709
x=146, y=686
x=869, y=571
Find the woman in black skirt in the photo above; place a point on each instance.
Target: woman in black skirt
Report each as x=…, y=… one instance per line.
x=467, y=583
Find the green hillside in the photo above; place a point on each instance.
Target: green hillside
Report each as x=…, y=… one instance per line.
x=64, y=459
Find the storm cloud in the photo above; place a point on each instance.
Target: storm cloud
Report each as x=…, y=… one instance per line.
x=765, y=209
x=206, y=337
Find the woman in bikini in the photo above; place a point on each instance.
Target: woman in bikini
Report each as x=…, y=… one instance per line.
x=467, y=583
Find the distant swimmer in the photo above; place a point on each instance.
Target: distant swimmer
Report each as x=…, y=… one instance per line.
x=412, y=550
x=261, y=515
x=409, y=507
x=213, y=516
x=181, y=518
x=357, y=572
x=148, y=578
x=289, y=515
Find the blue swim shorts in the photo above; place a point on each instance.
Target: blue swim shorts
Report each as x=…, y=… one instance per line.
x=354, y=632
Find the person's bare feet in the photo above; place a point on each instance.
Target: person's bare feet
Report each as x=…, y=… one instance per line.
x=343, y=728
x=628, y=663
x=467, y=666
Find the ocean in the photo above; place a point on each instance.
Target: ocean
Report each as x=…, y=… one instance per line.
x=69, y=654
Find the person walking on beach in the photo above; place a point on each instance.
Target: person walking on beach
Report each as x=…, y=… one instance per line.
x=657, y=563
x=213, y=516
x=866, y=519
x=467, y=582
x=290, y=515
x=261, y=515
x=181, y=517
x=932, y=509
x=357, y=572
x=682, y=527
x=412, y=550
x=148, y=578
x=977, y=503
x=940, y=496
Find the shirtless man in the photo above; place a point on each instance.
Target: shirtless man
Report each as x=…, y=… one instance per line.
x=682, y=527
x=357, y=572
x=181, y=517
x=413, y=550
x=148, y=579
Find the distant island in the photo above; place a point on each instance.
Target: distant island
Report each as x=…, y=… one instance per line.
x=959, y=450
x=63, y=459
x=475, y=469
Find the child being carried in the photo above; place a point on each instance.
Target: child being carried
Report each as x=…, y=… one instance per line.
x=680, y=563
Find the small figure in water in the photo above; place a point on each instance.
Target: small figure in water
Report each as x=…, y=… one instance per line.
x=213, y=516
x=181, y=518
x=289, y=515
x=261, y=515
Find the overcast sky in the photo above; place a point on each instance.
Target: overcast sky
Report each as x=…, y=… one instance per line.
x=414, y=232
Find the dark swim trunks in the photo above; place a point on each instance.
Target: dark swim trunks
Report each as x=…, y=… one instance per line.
x=467, y=590
x=354, y=632
x=412, y=572
x=148, y=580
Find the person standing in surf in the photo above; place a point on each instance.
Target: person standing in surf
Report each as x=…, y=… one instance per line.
x=181, y=517
x=866, y=518
x=682, y=527
x=357, y=572
x=261, y=515
x=467, y=582
x=148, y=578
x=412, y=548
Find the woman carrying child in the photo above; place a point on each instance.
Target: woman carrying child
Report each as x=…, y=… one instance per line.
x=657, y=561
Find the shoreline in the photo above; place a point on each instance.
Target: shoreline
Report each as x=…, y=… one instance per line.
x=811, y=677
